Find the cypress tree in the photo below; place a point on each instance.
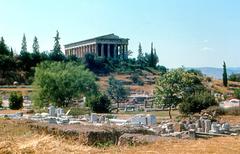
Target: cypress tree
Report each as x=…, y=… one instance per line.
x=152, y=56
x=225, y=78
x=24, y=44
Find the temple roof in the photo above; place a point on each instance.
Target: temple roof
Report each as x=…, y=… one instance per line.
x=107, y=37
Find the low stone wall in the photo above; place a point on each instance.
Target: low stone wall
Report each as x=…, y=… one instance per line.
x=87, y=134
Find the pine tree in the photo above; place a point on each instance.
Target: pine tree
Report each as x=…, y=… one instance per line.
x=3, y=47
x=57, y=54
x=24, y=44
x=225, y=78
x=35, y=45
x=57, y=46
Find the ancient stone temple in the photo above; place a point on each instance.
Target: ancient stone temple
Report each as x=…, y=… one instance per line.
x=106, y=46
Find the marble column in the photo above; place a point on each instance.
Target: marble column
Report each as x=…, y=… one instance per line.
x=115, y=51
x=108, y=51
x=126, y=52
x=122, y=51
x=102, y=50
x=96, y=49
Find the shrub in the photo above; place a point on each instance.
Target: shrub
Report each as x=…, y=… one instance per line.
x=15, y=101
x=237, y=93
x=136, y=79
x=99, y=104
x=234, y=77
x=195, y=103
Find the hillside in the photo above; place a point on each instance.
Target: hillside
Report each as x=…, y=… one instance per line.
x=148, y=88
x=216, y=72
x=215, y=84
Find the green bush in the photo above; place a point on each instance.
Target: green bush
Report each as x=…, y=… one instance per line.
x=135, y=77
x=234, y=77
x=15, y=101
x=99, y=104
x=195, y=103
x=237, y=93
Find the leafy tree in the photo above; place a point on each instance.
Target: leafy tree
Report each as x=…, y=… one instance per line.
x=3, y=47
x=15, y=101
x=44, y=56
x=196, y=72
x=234, y=77
x=25, y=60
x=58, y=83
x=57, y=54
x=100, y=104
x=24, y=44
x=225, y=77
x=73, y=58
x=175, y=85
x=237, y=93
x=116, y=91
x=162, y=69
x=196, y=102
x=169, y=89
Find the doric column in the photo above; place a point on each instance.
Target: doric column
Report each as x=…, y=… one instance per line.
x=115, y=51
x=90, y=48
x=80, y=51
x=102, y=50
x=108, y=51
x=85, y=50
x=96, y=49
x=126, y=51
x=122, y=51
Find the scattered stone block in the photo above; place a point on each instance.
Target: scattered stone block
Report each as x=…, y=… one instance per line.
x=192, y=134
x=207, y=124
x=136, y=139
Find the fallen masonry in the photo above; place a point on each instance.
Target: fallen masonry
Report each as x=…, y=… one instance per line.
x=138, y=129
x=88, y=134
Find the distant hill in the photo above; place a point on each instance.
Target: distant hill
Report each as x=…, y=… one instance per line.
x=217, y=72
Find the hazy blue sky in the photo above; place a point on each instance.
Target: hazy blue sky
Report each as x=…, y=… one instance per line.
x=184, y=32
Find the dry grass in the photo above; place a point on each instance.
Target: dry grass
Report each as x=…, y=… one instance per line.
x=220, y=145
x=218, y=86
x=103, y=82
x=15, y=137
